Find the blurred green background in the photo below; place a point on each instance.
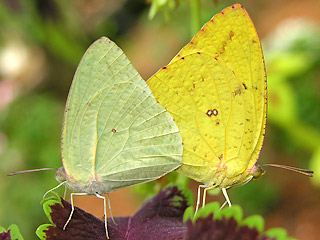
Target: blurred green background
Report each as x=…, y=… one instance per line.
x=41, y=42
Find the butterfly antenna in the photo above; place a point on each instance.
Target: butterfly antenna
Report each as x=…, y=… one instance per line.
x=30, y=171
x=305, y=172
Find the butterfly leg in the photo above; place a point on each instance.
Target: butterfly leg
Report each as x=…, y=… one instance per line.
x=198, y=198
x=224, y=191
x=223, y=205
x=105, y=211
x=72, y=207
x=205, y=194
x=65, y=191
x=111, y=215
x=60, y=184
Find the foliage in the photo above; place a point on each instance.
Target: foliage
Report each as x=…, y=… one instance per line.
x=32, y=126
x=293, y=61
x=165, y=216
x=12, y=233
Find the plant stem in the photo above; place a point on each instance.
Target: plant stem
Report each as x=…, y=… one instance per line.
x=195, y=16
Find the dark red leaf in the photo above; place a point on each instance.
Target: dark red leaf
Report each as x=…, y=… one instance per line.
x=159, y=218
x=5, y=236
x=224, y=229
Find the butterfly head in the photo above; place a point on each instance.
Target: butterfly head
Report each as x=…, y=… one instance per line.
x=257, y=172
x=61, y=175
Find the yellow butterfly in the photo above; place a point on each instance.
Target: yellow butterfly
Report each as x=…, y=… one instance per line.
x=216, y=90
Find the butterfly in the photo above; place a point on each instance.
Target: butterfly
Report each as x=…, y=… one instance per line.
x=115, y=134
x=216, y=90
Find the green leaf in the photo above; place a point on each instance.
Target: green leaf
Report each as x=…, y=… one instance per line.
x=14, y=232
x=234, y=211
x=279, y=234
x=161, y=5
x=212, y=207
x=254, y=221
x=214, y=192
x=188, y=195
x=41, y=230
x=188, y=214
x=48, y=202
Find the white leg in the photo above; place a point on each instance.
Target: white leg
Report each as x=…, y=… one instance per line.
x=205, y=194
x=224, y=191
x=111, y=215
x=72, y=207
x=198, y=199
x=223, y=205
x=105, y=212
x=60, y=184
x=65, y=191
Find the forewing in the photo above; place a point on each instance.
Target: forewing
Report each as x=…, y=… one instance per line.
x=113, y=126
x=215, y=88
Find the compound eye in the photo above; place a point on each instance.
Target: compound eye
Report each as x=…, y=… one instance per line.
x=258, y=172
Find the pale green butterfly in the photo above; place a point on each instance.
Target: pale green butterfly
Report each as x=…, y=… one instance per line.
x=114, y=133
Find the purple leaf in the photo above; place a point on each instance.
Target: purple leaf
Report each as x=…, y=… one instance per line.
x=224, y=229
x=159, y=218
x=12, y=233
x=82, y=225
x=5, y=235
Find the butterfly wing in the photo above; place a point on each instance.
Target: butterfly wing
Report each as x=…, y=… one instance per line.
x=115, y=134
x=215, y=88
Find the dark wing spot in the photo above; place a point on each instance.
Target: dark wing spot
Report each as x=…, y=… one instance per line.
x=223, y=48
x=182, y=58
x=198, y=52
x=164, y=68
x=217, y=123
x=222, y=13
x=245, y=86
x=231, y=34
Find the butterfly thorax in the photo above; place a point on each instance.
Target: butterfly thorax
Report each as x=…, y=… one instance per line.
x=76, y=186
x=223, y=180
